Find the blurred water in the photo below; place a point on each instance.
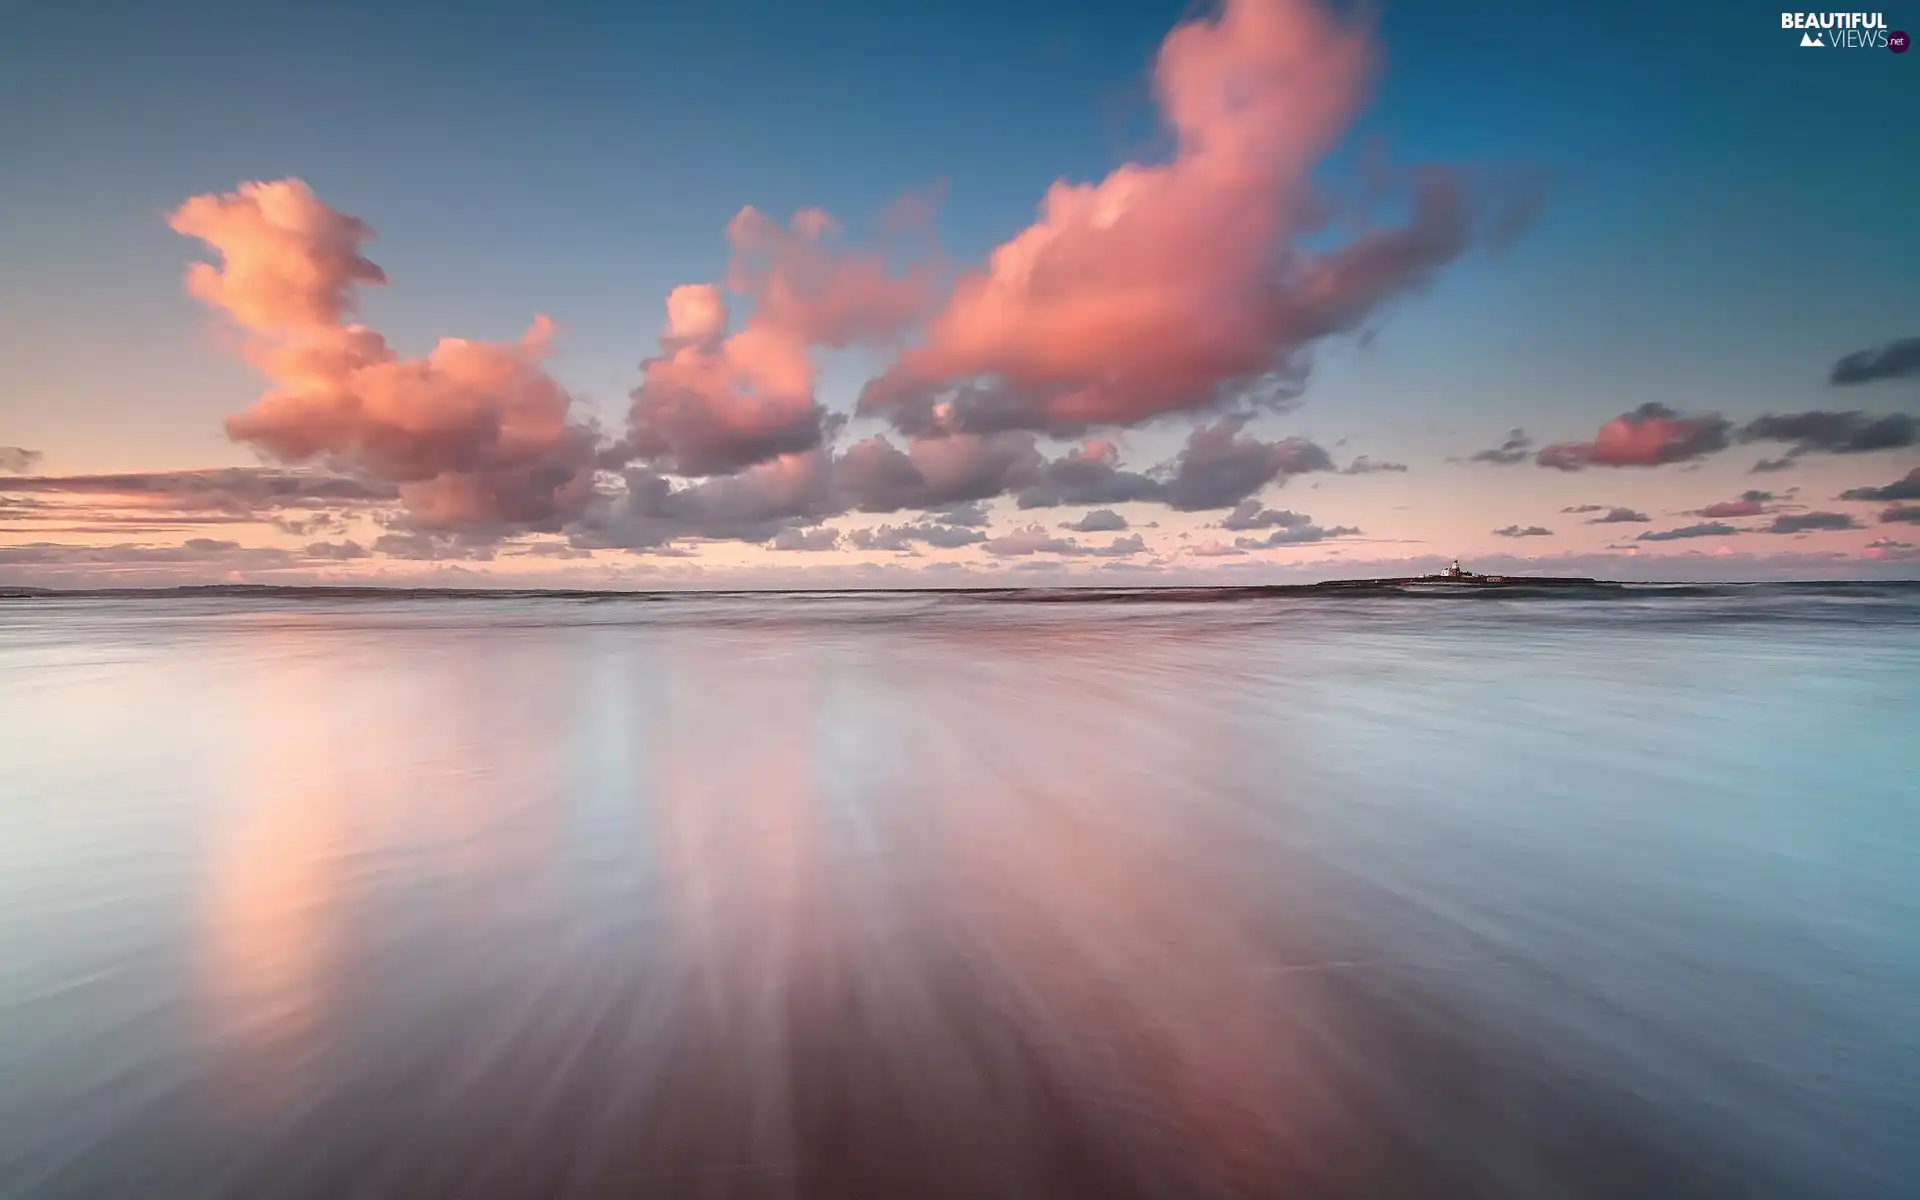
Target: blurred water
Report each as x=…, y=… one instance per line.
x=946, y=896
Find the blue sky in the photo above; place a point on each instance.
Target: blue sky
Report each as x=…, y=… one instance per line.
x=1729, y=213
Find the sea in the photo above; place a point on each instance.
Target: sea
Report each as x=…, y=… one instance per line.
x=1135, y=893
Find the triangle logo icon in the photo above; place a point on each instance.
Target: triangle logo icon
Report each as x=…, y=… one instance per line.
x=1808, y=39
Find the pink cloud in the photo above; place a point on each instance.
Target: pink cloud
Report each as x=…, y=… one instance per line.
x=290, y=262
x=1649, y=436
x=473, y=432
x=1177, y=286
x=1750, y=504
x=711, y=404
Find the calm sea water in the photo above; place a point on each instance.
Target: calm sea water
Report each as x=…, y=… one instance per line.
x=852, y=896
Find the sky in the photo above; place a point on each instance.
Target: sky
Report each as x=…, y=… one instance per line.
x=748, y=294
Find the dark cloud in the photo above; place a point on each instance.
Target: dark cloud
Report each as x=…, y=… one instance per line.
x=217, y=554
x=1767, y=466
x=680, y=429
x=1515, y=449
x=549, y=549
x=1088, y=474
x=193, y=550
x=337, y=551
x=1584, y=508
x=1516, y=531
x=1850, y=432
x=1715, y=529
x=1120, y=547
x=972, y=514
x=1249, y=515
x=1750, y=504
x=933, y=472
x=1895, y=360
x=902, y=538
x=228, y=490
x=1652, y=435
x=811, y=540
x=1100, y=520
x=16, y=460
x=1907, y=487
x=1220, y=466
x=309, y=524
x=1035, y=539
x=1621, y=516
x=1811, y=522
x=1367, y=466
x=421, y=545
x=1690, y=530
x=74, y=518
x=1564, y=456
x=1297, y=535
x=1902, y=514
x=752, y=506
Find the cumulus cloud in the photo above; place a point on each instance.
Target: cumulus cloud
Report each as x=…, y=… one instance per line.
x=436, y=545
x=903, y=538
x=1295, y=535
x=1750, y=504
x=16, y=460
x=877, y=477
x=1516, y=449
x=1713, y=529
x=754, y=505
x=473, y=432
x=972, y=514
x=812, y=540
x=1850, y=432
x=1215, y=549
x=1903, y=514
x=1907, y=487
x=1248, y=514
x=1368, y=466
x=710, y=403
x=1811, y=522
x=1035, y=539
x=1650, y=436
x=336, y=551
x=1185, y=285
x=1895, y=360
x=1620, y=516
x=1087, y=474
x=549, y=549
x=1518, y=531
x=1221, y=465
x=1099, y=520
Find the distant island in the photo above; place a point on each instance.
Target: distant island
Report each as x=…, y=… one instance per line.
x=1454, y=576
